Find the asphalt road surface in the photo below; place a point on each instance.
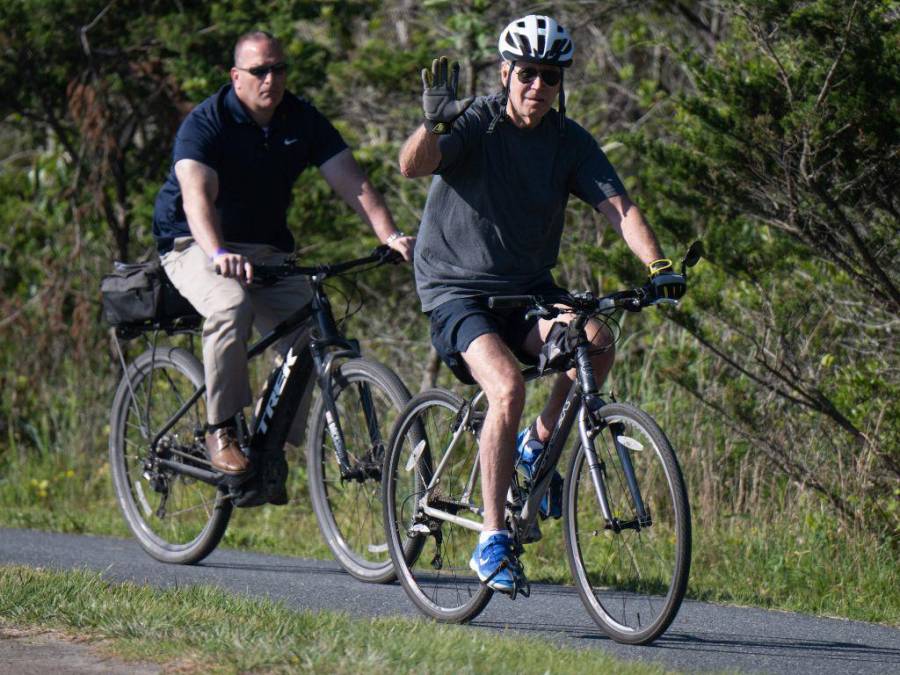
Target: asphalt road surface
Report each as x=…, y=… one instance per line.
x=703, y=637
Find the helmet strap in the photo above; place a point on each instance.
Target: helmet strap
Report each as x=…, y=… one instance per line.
x=562, y=103
x=504, y=99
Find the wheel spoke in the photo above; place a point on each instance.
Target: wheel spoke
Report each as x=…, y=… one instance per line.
x=350, y=511
x=191, y=525
x=632, y=581
x=442, y=587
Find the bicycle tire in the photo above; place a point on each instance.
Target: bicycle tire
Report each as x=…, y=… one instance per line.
x=152, y=389
x=440, y=585
x=631, y=582
x=349, y=512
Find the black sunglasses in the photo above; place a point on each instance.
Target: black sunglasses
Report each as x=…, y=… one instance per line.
x=549, y=77
x=262, y=71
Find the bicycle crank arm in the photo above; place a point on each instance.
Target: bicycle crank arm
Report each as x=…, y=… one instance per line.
x=209, y=477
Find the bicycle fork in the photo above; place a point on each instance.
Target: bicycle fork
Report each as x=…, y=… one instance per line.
x=362, y=470
x=588, y=430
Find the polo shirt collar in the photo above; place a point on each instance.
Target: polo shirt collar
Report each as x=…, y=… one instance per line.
x=240, y=114
x=234, y=107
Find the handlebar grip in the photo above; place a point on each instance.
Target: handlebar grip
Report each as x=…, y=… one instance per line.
x=388, y=255
x=507, y=301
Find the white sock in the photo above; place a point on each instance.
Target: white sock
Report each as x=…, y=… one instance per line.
x=487, y=534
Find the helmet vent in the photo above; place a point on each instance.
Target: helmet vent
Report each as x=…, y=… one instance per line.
x=524, y=44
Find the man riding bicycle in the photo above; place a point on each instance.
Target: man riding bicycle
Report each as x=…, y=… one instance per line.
x=223, y=209
x=504, y=166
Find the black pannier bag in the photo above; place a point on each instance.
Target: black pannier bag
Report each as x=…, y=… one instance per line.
x=138, y=293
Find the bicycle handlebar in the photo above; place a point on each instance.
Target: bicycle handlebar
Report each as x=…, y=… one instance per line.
x=382, y=255
x=586, y=303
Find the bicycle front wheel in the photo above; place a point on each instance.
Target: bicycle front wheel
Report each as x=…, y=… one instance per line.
x=176, y=518
x=631, y=573
x=369, y=397
x=427, y=533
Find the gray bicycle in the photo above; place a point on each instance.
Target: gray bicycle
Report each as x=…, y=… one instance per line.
x=626, y=518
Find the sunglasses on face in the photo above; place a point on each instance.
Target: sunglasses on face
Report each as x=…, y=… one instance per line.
x=275, y=69
x=549, y=77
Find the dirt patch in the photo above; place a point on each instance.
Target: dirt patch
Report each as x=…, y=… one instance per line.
x=38, y=651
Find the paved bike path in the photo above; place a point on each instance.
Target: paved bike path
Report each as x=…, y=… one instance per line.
x=704, y=636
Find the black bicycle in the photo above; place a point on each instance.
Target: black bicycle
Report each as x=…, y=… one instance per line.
x=178, y=506
x=625, y=514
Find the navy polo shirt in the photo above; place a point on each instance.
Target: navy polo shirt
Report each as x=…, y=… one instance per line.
x=256, y=167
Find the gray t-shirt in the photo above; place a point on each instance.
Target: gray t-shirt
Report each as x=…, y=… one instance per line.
x=495, y=209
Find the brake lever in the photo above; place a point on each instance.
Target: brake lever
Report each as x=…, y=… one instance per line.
x=541, y=312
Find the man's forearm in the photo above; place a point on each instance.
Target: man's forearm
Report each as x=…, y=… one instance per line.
x=370, y=206
x=628, y=221
x=420, y=155
x=202, y=221
x=352, y=185
x=640, y=236
x=199, y=188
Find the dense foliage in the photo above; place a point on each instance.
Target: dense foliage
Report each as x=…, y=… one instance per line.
x=765, y=127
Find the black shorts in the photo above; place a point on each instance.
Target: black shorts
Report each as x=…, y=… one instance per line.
x=456, y=323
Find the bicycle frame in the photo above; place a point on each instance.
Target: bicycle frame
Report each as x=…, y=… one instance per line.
x=580, y=404
x=285, y=389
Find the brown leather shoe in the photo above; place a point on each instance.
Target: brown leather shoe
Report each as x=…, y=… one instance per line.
x=225, y=453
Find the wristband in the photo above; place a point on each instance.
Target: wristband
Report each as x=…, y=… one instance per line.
x=219, y=251
x=394, y=236
x=659, y=266
x=437, y=128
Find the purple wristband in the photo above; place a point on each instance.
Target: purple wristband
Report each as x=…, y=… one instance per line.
x=219, y=251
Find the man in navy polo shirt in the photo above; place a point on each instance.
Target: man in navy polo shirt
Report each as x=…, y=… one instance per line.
x=223, y=209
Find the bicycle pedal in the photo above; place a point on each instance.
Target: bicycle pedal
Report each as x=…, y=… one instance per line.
x=235, y=481
x=525, y=589
x=248, y=498
x=245, y=490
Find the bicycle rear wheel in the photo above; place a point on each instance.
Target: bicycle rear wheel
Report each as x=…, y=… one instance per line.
x=369, y=397
x=431, y=554
x=632, y=581
x=176, y=519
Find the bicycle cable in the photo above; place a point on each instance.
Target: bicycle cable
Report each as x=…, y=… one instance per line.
x=357, y=291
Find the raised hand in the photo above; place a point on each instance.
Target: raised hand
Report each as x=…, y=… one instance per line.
x=439, y=101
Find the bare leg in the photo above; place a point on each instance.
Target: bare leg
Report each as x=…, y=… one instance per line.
x=495, y=368
x=599, y=336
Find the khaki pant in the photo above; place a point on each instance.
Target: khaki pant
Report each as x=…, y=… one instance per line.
x=230, y=310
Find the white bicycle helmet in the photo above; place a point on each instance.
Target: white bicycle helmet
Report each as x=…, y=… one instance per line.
x=537, y=39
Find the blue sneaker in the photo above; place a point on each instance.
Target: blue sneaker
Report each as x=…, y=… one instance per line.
x=528, y=451
x=494, y=563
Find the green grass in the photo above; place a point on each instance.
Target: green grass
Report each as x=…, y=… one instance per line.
x=810, y=565
x=802, y=561
x=203, y=629
x=73, y=494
